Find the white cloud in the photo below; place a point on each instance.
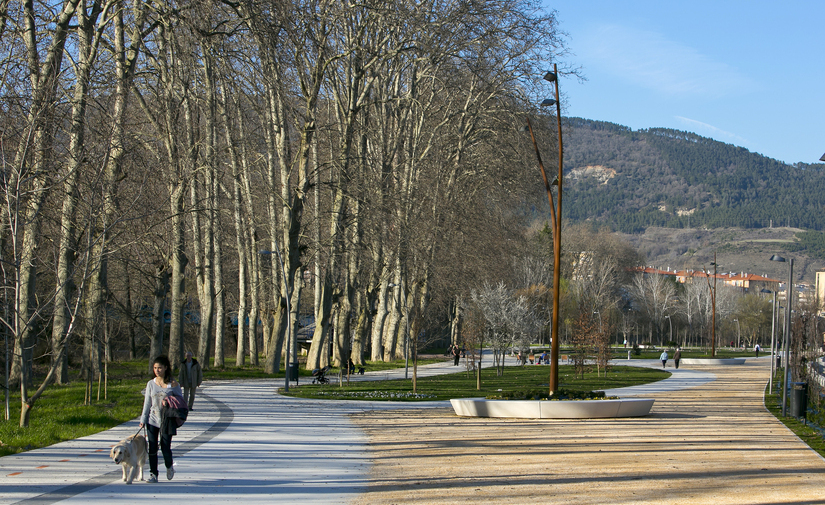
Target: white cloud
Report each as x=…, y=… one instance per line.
x=712, y=131
x=653, y=61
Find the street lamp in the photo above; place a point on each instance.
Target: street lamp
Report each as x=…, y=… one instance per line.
x=555, y=217
x=773, y=338
x=600, y=321
x=671, y=327
x=786, y=344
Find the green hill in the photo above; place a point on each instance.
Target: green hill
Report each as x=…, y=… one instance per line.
x=632, y=180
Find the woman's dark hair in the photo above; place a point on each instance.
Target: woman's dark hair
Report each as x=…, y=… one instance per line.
x=163, y=360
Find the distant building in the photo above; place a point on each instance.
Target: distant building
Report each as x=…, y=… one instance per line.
x=820, y=287
x=748, y=283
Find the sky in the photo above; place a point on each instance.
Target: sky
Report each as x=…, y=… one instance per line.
x=748, y=73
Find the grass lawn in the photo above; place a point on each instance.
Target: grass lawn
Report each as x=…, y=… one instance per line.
x=60, y=415
x=806, y=432
x=463, y=385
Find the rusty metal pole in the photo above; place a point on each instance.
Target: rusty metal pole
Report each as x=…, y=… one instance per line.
x=554, y=345
x=555, y=217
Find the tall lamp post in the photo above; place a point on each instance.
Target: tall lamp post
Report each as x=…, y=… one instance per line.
x=555, y=217
x=773, y=338
x=786, y=343
x=669, y=320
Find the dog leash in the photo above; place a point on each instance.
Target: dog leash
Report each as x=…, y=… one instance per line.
x=138, y=431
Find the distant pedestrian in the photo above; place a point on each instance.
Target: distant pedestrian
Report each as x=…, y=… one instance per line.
x=677, y=356
x=456, y=355
x=190, y=378
x=663, y=357
x=757, y=348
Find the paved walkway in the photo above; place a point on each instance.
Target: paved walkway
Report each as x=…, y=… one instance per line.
x=243, y=443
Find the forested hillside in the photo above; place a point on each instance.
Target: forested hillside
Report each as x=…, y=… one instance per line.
x=661, y=177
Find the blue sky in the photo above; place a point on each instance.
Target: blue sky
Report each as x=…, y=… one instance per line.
x=749, y=73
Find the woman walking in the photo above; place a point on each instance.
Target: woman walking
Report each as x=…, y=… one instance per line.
x=156, y=391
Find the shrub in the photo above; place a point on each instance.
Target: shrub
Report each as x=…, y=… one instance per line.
x=543, y=394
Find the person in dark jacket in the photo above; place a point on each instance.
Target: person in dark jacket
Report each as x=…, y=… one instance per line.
x=190, y=377
x=677, y=356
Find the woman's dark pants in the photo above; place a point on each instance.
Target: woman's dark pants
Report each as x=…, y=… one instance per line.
x=165, y=448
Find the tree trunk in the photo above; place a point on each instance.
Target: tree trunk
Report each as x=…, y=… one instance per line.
x=317, y=351
x=379, y=321
x=178, y=295
x=158, y=312
x=272, y=365
x=360, y=332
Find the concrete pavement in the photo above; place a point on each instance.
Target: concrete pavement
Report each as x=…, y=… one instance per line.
x=243, y=443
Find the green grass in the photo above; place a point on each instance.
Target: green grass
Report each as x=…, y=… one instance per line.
x=60, y=415
x=804, y=431
x=463, y=385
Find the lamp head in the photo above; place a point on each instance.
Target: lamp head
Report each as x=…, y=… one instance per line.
x=551, y=77
x=777, y=258
x=547, y=102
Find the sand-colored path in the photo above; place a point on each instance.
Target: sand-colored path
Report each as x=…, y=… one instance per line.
x=710, y=444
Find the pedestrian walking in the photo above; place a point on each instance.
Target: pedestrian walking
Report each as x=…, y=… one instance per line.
x=456, y=355
x=156, y=391
x=663, y=357
x=677, y=356
x=190, y=378
x=757, y=348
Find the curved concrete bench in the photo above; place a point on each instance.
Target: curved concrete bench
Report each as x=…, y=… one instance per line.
x=714, y=361
x=552, y=409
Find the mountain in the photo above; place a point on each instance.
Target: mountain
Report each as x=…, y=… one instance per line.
x=632, y=180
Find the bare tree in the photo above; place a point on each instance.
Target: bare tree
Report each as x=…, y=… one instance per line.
x=654, y=296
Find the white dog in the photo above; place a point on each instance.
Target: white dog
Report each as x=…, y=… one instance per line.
x=131, y=454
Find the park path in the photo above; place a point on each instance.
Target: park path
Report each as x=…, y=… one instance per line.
x=713, y=443
x=245, y=443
